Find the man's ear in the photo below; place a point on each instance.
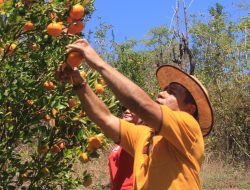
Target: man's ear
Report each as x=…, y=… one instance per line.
x=191, y=108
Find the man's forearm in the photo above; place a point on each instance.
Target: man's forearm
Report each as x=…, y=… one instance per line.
x=129, y=94
x=98, y=112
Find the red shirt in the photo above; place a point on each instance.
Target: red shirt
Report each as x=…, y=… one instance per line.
x=121, y=169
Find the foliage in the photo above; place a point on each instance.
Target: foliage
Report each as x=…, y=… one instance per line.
x=42, y=133
x=221, y=49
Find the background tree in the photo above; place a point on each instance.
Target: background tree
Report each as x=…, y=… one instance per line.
x=221, y=49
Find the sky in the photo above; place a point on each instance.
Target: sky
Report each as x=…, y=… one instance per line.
x=134, y=18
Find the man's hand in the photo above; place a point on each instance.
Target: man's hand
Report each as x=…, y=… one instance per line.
x=67, y=74
x=82, y=46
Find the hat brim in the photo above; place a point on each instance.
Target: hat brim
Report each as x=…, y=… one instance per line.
x=167, y=74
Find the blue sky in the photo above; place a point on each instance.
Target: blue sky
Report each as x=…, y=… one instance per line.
x=134, y=18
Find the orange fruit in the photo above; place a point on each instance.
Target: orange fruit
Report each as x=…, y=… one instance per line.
x=54, y=29
x=30, y=102
x=75, y=27
x=11, y=47
x=76, y=12
x=54, y=112
x=100, y=136
x=93, y=143
x=71, y=103
x=99, y=88
x=47, y=118
x=83, y=157
x=101, y=81
x=74, y=59
x=55, y=149
x=43, y=149
x=45, y=171
x=82, y=114
x=28, y=26
x=48, y=85
x=83, y=74
x=69, y=19
x=61, y=145
x=34, y=46
x=1, y=2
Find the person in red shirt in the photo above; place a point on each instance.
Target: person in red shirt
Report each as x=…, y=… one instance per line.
x=121, y=162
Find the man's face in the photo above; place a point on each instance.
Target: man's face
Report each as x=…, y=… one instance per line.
x=130, y=117
x=173, y=96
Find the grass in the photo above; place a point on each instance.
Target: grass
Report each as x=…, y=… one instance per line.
x=215, y=175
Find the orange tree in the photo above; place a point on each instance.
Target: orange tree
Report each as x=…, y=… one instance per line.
x=43, y=130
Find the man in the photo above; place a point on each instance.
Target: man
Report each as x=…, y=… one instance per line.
x=120, y=162
x=168, y=153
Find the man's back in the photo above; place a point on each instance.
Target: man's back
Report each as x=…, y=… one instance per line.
x=165, y=163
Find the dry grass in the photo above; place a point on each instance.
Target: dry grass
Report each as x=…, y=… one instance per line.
x=215, y=175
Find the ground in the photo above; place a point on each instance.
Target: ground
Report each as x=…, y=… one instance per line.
x=215, y=174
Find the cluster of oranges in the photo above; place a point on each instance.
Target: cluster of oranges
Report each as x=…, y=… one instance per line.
x=56, y=28
x=94, y=142
x=74, y=19
x=57, y=147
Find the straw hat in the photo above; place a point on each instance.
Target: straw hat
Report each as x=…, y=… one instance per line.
x=167, y=74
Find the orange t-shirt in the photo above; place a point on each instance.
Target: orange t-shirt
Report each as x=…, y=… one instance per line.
x=170, y=159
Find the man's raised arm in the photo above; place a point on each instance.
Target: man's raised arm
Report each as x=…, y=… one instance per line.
x=128, y=93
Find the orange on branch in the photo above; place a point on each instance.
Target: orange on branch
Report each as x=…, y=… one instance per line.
x=71, y=103
x=54, y=29
x=69, y=19
x=82, y=114
x=30, y=102
x=47, y=118
x=13, y=47
x=101, y=137
x=99, y=88
x=75, y=27
x=83, y=74
x=61, y=145
x=28, y=26
x=48, y=85
x=54, y=112
x=94, y=143
x=10, y=47
x=76, y=12
x=34, y=46
x=83, y=157
x=74, y=59
x=101, y=81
